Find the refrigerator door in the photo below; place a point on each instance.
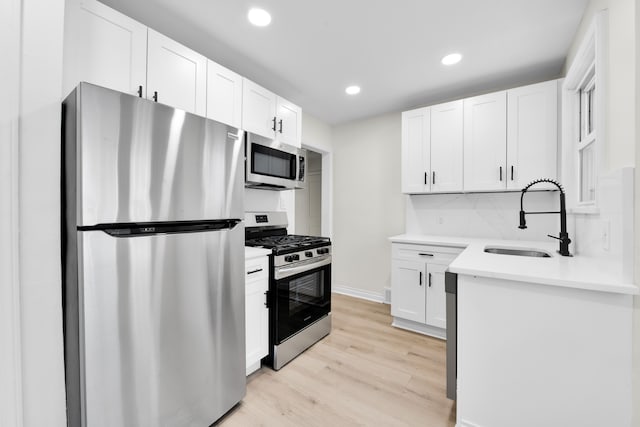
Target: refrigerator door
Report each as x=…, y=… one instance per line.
x=139, y=161
x=161, y=319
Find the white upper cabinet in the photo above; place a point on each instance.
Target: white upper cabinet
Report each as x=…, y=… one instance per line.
x=224, y=95
x=176, y=75
x=446, y=146
x=289, y=128
x=495, y=142
x=103, y=47
x=532, y=133
x=264, y=113
x=416, y=138
x=485, y=142
x=258, y=109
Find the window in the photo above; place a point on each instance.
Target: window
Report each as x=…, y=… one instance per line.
x=585, y=145
x=583, y=120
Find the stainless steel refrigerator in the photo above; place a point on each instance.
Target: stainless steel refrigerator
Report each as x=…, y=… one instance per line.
x=153, y=268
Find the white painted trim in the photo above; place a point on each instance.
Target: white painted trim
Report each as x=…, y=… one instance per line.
x=326, y=216
x=11, y=400
x=463, y=423
x=359, y=293
x=419, y=328
x=594, y=47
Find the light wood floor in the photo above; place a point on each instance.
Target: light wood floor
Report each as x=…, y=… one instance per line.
x=366, y=372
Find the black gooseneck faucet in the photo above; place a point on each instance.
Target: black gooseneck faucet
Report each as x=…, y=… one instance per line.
x=564, y=237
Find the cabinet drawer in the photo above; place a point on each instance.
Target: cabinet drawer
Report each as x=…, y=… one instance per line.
x=429, y=253
x=256, y=269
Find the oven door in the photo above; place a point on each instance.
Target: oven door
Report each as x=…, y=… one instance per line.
x=302, y=296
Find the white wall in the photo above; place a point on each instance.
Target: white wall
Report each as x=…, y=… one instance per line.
x=636, y=300
x=368, y=205
x=37, y=168
x=10, y=347
x=622, y=143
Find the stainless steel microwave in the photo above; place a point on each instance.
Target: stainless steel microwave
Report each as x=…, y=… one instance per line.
x=271, y=165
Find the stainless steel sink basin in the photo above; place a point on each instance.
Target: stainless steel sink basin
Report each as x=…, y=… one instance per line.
x=516, y=251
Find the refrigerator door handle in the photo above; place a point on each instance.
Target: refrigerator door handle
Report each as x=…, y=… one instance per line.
x=162, y=227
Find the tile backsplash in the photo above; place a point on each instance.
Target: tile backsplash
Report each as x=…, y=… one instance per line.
x=493, y=215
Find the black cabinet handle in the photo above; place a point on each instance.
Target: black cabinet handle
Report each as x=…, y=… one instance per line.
x=511, y=172
x=155, y=96
x=500, y=173
x=254, y=271
x=280, y=125
x=425, y=179
x=425, y=254
x=140, y=91
x=433, y=178
x=274, y=124
x=266, y=299
x=420, y=278
x=429, y=279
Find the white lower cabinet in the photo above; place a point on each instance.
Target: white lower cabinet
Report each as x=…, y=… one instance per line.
x=418, y=300
x=256, y=311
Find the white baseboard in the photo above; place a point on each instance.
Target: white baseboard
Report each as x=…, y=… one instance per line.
x=419, y=328
x=359, y=293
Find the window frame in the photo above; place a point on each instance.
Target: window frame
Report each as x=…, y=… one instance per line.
x=587, y=70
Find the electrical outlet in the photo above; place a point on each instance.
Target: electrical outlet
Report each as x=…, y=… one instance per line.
x=606, y=235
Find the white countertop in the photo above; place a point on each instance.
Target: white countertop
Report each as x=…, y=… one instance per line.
x=252, y=252
x=579, y=272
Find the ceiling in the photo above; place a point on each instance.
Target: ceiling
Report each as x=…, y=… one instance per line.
x=314, y=49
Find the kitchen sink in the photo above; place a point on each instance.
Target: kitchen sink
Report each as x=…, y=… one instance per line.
x=517, y=251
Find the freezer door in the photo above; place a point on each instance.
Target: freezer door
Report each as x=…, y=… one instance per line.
x=140, y=161
x=161, y=321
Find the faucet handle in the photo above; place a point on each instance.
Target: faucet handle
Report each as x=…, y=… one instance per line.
x=562, y=238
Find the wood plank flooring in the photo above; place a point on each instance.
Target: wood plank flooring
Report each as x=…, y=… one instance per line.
x=366, y=373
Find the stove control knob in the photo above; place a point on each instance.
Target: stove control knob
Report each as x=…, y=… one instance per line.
x=323, y=251
x=296, y=257
x=288, y=258
x=308, y=254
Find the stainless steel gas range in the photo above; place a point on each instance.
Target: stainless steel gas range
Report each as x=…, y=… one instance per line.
x=299, y=297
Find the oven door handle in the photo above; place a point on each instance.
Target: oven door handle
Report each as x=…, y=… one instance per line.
x=283, y=272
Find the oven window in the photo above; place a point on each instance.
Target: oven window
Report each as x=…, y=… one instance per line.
x=270, y=162
x=301, y=300
x=306, y=291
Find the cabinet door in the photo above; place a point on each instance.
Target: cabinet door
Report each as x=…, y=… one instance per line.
x=177, y=74
x=224, y=95
x=408, y=290
x=415, y=151
x=436, y=298
x=532, y=133
x=258, y=109
x=289, y=123
x=256, y=320
x=103, y=47
x=446, y=146
x=485, y=142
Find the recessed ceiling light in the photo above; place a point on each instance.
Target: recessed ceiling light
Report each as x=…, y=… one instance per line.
x=452, y=58
x=259, y=17
x=352, y=90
